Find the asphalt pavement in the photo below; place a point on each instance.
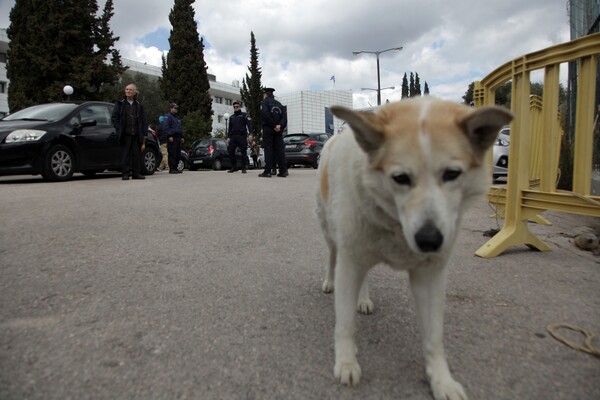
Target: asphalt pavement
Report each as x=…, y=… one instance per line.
x=207, y=285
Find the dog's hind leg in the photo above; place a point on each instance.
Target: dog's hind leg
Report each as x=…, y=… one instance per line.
x=365, y=305
x=330, y=273
x=429, y=290
x=348, y=279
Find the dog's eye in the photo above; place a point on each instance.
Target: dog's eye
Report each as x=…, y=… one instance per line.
x=402, y=179
x=451, y=174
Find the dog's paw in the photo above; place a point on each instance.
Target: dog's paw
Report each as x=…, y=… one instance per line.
x=365, y=306
x=327, y=286
x=347, y=373
x=447, y=389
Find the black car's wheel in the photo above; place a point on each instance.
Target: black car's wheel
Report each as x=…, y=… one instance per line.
x=217, y=165
x=181, y=165
x=149, y=161
x=316, y=163
x=59, y=164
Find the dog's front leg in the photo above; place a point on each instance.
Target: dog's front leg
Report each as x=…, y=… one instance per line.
x=348, y=279
x=428, y=285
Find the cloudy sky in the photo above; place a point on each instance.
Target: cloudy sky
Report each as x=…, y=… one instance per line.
x=303, y=43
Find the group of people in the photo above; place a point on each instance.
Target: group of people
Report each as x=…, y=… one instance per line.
x=131, y=124
x=274, y=121
x=129, y=120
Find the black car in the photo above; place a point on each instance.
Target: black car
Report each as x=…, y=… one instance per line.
x=210, y=153
x=151, y=156
x=304, y=148
x=58, y=139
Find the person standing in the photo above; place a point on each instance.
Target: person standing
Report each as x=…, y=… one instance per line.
x=174, y=131
x=162, y=139
x=239, y=127
x=129, y=120
x=274, y=121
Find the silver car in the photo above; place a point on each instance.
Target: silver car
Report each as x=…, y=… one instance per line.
x=501, y=153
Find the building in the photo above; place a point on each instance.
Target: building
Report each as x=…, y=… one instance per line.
x=309, y=111
x=3, y=78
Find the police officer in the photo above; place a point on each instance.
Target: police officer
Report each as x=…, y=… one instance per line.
x=174, y=131
x=239, y=127
x=274, y=121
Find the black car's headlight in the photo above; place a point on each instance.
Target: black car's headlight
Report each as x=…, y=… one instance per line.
x=24, y=135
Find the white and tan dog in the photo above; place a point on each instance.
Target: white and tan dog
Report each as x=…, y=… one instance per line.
x=393, y=187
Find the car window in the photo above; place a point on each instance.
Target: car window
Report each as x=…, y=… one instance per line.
x=96, y=112
x=221, y=145
x=295, y=138
x=43, y=112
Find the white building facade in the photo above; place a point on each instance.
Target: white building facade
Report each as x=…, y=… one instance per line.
x=310, y=111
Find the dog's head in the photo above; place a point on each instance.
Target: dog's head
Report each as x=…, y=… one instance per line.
x=426, y=162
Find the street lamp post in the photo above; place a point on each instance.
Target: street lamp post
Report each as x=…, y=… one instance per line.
x=226, y=116
x=377, y=53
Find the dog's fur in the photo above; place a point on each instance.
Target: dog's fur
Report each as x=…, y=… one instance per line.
x=392, y=189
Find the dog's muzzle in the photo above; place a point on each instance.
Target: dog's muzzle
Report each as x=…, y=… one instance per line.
x=429, y=238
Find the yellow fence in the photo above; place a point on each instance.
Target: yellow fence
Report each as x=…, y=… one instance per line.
x=533, y=155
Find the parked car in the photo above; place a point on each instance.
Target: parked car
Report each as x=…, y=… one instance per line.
x=183, y=161
x=151, y=156
x=210, y=153
x=500, y=153
x=260, y=160
x=304, y=148
x=59, y=139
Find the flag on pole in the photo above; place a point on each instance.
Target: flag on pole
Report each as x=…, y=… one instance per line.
x=332, y=79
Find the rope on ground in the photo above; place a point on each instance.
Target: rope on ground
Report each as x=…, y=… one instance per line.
x=587, y=346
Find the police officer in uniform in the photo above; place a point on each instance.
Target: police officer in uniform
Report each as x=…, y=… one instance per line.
x=173, y=129
x=239, y=127
x=274, y=121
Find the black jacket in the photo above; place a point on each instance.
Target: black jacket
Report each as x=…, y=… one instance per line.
x=239, y=124
x=272, y=113
x=119, y=121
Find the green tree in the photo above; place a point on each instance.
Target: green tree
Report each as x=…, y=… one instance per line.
x=411, y=88
x=417, y=84
x=252, y=90
x=405, y=87
x=53, y=44
x=184, y=77
x=468, y=96
x=426, y=89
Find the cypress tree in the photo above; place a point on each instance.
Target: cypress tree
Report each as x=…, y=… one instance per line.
x=426, y=90
x=411, y=88
x=53, y=44
x=417, y=84
x=405, y=87
x=252, y=90
x=185, y=80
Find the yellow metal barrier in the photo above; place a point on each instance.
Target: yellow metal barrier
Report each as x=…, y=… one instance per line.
x=521, y=200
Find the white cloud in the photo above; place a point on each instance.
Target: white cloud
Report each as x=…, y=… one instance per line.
x=302, y=43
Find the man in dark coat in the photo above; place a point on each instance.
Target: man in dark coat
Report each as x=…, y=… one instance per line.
x=274, y=120
x=129, y=119
x=173, y=129
x=239, y=127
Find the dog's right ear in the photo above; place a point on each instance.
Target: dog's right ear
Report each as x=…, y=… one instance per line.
x=365, y=127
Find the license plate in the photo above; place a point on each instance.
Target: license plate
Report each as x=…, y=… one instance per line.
x=290, y=146
x=197, y=162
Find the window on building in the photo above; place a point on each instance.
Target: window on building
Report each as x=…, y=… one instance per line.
x=218, y=100
x=2, y=87
x=228, y=102
x=3, y=58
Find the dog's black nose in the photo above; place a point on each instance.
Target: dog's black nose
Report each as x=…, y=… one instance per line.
x=429, y=238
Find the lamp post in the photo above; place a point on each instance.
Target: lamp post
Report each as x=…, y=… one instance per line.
x=226, y=116
x=68, y=90
x=377, y=53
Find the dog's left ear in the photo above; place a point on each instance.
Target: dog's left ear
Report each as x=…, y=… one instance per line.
x=483, y=124
x=364, y=125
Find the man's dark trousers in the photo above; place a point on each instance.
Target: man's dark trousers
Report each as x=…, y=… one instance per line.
x=241, y=142
x=131, y=155
x=174, y=150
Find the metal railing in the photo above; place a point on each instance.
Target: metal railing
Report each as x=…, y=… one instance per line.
x=533, y=155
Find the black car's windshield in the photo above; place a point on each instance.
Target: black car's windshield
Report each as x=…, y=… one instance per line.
x=43, y=112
